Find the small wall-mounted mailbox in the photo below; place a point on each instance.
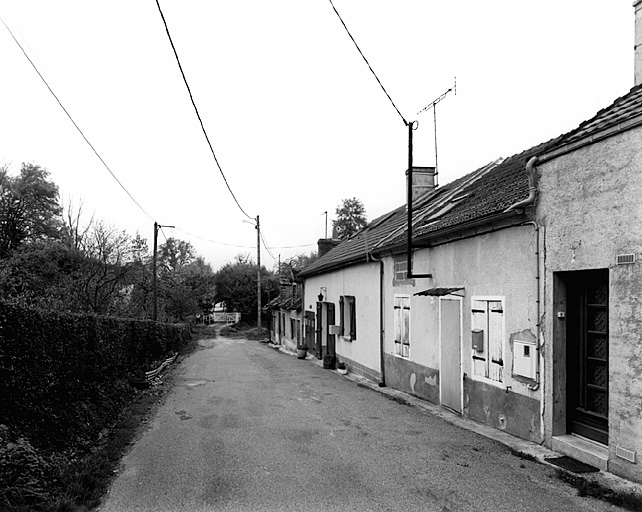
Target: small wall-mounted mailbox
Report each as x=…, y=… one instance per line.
x=478, y=340
x=335, y=329
x=525, y=359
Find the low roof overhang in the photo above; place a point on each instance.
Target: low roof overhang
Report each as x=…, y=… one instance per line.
x=438, y=292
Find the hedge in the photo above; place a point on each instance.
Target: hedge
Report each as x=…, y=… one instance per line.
x=64, y=377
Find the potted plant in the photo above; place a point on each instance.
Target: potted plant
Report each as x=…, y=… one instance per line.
x=329, y=362
x=341, y=368
x=301, y=350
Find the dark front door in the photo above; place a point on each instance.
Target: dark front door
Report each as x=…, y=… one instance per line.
x=587, y=354
x=309, y=331
x=319, y=331
x=330, y=349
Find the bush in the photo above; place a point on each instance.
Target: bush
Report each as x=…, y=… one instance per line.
x=63, y=377
x=23, y=472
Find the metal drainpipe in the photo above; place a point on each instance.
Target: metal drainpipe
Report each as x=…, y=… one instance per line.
x=535, y=387
x=532, y=187
x=382, y=331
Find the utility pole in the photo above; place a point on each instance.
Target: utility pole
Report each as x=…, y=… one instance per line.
x=258, y=275
x=154, y=280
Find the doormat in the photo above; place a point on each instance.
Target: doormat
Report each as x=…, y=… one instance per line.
x=572, y=465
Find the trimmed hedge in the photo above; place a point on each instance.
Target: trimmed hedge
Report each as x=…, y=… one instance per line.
x=64, y=377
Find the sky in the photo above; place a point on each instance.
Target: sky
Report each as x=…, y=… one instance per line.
x=296, y=119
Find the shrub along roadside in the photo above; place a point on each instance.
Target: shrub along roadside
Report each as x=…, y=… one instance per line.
x=63, y=380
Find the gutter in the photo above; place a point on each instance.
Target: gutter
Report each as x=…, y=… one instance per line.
x=611, y=131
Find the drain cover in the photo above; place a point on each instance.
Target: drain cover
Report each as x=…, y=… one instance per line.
x=572, y=465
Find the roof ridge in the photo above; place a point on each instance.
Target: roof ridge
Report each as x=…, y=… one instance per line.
x=619, y=100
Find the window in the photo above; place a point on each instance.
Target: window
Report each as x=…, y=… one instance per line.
x=402, y=325
x=295, y=329
x=401, y=271
x=488, y=324
x=348, y=316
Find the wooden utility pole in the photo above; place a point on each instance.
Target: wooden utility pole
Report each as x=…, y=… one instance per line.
x=154, y=280
x=258, y=276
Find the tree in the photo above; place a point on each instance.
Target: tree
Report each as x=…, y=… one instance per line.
x=29, y=209
x=174, y=254
x=185, y=280
x=351, y=217
x=106, y=279
x=292, y=266
x=43, y=275
x=236, y=286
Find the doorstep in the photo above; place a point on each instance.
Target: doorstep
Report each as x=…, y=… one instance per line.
x=582, y=449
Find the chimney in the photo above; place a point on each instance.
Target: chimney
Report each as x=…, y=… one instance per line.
x=637, y=44
x=423, y=178
x=326, y=245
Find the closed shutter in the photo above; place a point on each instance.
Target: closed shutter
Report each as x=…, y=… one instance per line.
x=488, y=317
x=402, y=325
x=495, y=341
x=479, y=321
x=353, y=319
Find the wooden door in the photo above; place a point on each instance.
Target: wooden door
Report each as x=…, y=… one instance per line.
x=331, y=342
x=450, y=377
x=587, y=354
x=319, y=331
x=308, y=331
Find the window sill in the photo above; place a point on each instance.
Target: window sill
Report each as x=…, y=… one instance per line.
x=403, y=282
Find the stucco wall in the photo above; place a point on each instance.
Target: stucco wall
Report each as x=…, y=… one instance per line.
x=498, y=264
x=589, y=201
x=362, y=282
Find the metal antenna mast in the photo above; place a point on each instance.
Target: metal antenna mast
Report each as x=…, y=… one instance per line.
x=433, y=106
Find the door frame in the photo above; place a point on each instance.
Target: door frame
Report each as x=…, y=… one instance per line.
x=564, y=283
x=459, y=378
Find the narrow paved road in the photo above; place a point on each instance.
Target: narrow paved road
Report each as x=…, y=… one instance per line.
x=249, y=428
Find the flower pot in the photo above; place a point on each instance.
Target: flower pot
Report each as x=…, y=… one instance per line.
x=329, y=362
x=301, y=353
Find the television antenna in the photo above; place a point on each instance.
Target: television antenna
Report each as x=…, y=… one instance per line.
x=433, y=105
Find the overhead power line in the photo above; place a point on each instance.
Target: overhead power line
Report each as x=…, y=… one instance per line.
x=191, y=97
x=369, y=66
x=215, y=241
x=74, y=122
x=267, y=248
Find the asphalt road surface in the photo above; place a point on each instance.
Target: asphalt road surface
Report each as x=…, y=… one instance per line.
x=249, y=428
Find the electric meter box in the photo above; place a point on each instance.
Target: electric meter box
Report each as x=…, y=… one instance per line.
x=478, y=340
x=525, y=359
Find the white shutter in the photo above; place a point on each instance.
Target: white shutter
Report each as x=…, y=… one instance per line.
x=479, y=321
x=496, y=341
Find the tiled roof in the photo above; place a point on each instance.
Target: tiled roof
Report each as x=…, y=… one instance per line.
x=354, y=249
x=625, y=112
x=491, y=194
x=487, y=190
x=374, y=236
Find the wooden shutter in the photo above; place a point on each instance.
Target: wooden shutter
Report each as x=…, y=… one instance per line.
x=353, y=318
x=479, y=321
x=495, y=341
